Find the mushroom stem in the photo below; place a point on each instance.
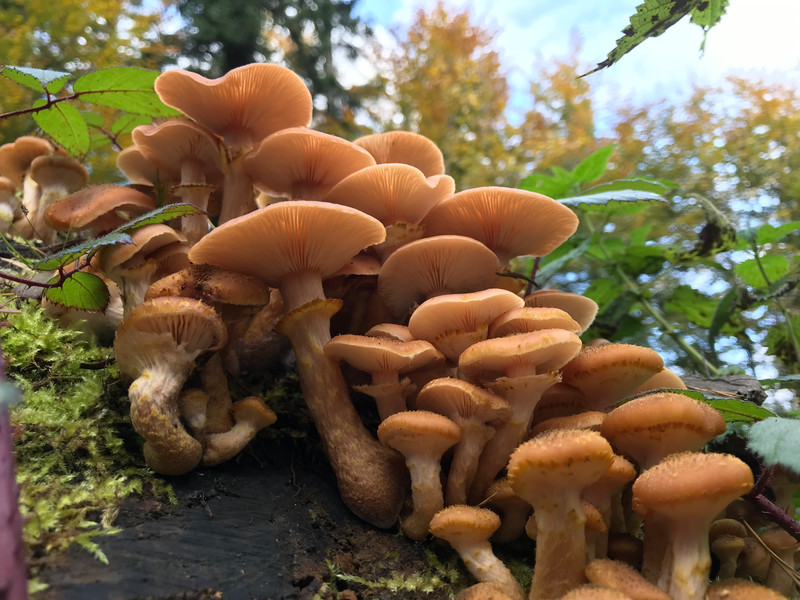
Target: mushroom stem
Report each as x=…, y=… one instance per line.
x=168, y=449
x=237, y=195
x=560, y=548
x=484, y=565
x=464, y=464
x=372, y=478
x=426, y=496
x=684, y=573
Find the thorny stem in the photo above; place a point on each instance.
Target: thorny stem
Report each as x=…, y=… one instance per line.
x=532, y=278
x=771, y=510
x=34, y=109
x=655, y=313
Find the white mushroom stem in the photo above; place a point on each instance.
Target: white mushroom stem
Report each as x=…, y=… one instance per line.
x=371, y=477
x=251, y=416
x=480, y=560
x=560, y=545
x=426, y=495
x=237, y=194
x=464, y=464
x=219, y=412
x=687, y=562
x=155, y=414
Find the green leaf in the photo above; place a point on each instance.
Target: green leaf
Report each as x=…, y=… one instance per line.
x=639, y=235
x=593, y=166
x=93, y=119
x=767, y=234
x=777, y=441
x=775, y=266
x=644, y=260
x=128, y=122
x=722, y=314
x=619, y=202
x=84, y=291
x=73, y=253
x=652, y=18
x=740, y=411
x=64, y=123
x=37, y=79
x=126, y=88
x=693, y=305
x=554, y=266
x=158, y=215
x=640, y=184
x=546, y=185
x=603, y=290
x=707, y=16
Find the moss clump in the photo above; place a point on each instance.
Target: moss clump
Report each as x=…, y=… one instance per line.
x=73, y=466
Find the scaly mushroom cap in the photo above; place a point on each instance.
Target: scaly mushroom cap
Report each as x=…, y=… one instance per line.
x=623, y=578
x=16, y=156
x=303, y=164
x=371, y=354
x=526, y=319
x=508, y=221
x=404, y=147
x=99, y=208
x=609, y=373
x=592, y=420
x=580, y=308
x=663, y=379
x=521, y=354
x=244, y=106
x=741, y=589
x=392, y=193
x=137, y=169
x=59, y=171
x=416, y=433
x=560, y=400
x=452, y=322
x=461, y=401
x=289, y=237
x=656, y=425
x=446, y=264
x=212, y=285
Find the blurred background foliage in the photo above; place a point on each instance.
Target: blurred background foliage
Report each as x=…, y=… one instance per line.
x=705, y=263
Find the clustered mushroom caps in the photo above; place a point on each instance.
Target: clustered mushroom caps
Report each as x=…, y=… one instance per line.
x=376, y=221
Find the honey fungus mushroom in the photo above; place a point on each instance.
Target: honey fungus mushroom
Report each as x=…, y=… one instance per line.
x=156, y=345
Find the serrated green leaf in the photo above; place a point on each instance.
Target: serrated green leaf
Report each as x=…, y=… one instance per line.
x=640, y=184
x=546, y=185
x=707, y=16
x=740, y=411
x=64, y=123
x=81, y=290
x=126, y=88
x=627, y=202
x=777, y=441
x=128, y=122
x=550, y=268
x=73, y=253
x=775, y=266
x=639, y=235
x=99, y=141
x=37, y=79
x=93, y=119
x=593, y=166
x=696, y=307
x=603, y=290
x=767, y=234
x=159, y=215
x=652, y=18
x=644, y=260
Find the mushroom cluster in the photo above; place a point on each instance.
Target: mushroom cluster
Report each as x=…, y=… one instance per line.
x=494, y=420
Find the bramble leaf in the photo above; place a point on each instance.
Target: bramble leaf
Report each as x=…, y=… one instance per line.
x=593, y=166
x=128, y=122
x=81, y=290
x=740, y=411
x=158, y=215
x=777, y=441
x=65, y=124
x=126, y=88
x=774, y=267
x=618, y=202
x=768, y=234
x=73, y=253
x=37, y=79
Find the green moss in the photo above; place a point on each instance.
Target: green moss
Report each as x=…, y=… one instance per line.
x=73, y=465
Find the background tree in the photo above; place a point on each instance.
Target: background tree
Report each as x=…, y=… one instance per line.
x=311, y=37
x=449, y=85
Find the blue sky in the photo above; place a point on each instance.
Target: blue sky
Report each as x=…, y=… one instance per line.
x=756, y=38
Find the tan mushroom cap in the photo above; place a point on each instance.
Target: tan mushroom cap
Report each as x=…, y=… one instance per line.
x=580, y=308
x=99, y=208
x=404, y=147
x=244, y=106
x=691, y=484
x=594, y=592
x=446, y=264
x=137, y=168
x=57, y=170
x=531, y=353
x=526, y=319
x=460, y=523
x=558, y=459
x=592, y=420
x=213, y=285
x=303, y=164
x=461, y=401
x=182, y=323
x=486, y=590
x=741, y=589
x=508, y=221
x=392, y=193
x=418, y=432
x=560, y=400
x=146, y=240
x=619, y=576
x=371, y=354
x=16, y=156
x=181, y=151
x=665, y=378
x=289, y=237
x=609, y=373
x=650, y=427
x=452, y=322
x=390, y=331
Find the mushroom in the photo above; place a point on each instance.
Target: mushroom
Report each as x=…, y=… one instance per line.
x=477, y=412
x=580, y=308
x=467, y=529
x=741, y=589
x=782, y=573
x=513, y=510
x=243, y=107
x=594, y=592
x=157, y=345
x=482, y=591
x=622, y=577
x=404, y=147
x=57, y=176
x=384, y=360
x=9, y=203
x=609, y=373
x=250, y=416
x=297, y=244
x=688, y=490
x=422, y=437
x=550, y=472
x=518, y=368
